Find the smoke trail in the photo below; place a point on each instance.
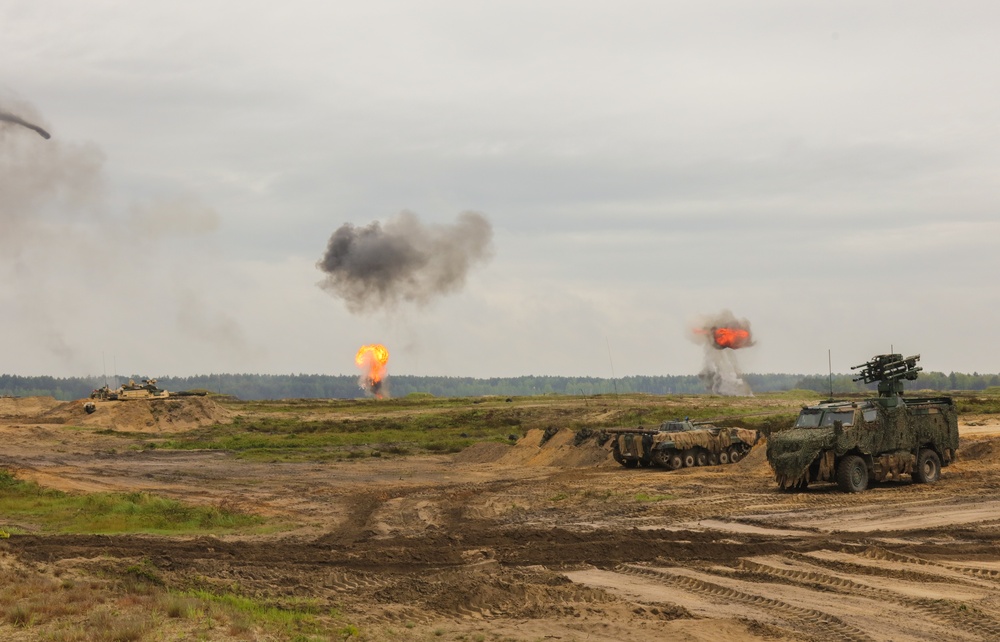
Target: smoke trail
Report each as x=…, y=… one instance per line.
x=17, y=120
x=376, y=267
x=722, y=335
x=62, y=247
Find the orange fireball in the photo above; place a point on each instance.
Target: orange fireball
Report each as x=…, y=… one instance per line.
x=372, y=359
x=733, y=338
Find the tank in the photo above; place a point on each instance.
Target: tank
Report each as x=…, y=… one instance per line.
x=681, y=444
x=132, y=390
x=855, y=443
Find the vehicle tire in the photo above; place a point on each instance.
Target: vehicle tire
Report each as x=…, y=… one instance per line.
x=724, y=457
x=713, y=459
x=645, y=463
x=676, y=461
x=852, y=474
x=630, y=463
x=689, y=459
x=734, y=455
x=701, y=458
x=928, y=468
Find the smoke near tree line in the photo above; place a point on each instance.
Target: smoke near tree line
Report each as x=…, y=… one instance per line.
x=721, y=335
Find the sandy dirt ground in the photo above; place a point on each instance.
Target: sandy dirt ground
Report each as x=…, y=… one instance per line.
x=540, y=541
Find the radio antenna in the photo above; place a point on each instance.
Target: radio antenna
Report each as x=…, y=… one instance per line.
x=829, y=365
x=614, y=381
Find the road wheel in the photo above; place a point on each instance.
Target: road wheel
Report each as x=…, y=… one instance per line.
x=630, y=463
x=689, y=459
x=676, y=461
x=713, y=459
x=852, y=474
x=734, y=454
x=701, y=458
x=928, y=468
x=724, y=458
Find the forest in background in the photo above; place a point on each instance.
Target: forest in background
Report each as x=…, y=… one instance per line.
x=250, y=387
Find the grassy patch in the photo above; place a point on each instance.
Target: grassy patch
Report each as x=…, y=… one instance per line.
x=299, y=430
x=298, y=618
x=986, y=402
x=54, y=511
x=646, y=497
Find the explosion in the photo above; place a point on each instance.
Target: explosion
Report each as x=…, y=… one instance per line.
x=722, y=335
x=371, y=360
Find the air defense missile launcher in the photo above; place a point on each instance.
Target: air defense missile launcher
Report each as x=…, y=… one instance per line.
x=854, y=443
x=680, y=444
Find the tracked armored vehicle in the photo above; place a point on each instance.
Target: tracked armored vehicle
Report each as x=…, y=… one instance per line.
x=132, y=390
x=856, y=443
x=681, y=444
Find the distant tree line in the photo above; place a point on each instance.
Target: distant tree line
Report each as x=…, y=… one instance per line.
x=314, y=386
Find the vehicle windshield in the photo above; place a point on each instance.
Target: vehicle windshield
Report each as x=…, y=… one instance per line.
x=816, y=418
x=845, y=417
x=809, y=419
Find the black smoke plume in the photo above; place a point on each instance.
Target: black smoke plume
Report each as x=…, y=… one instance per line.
x=378, y=266
x=17, y=120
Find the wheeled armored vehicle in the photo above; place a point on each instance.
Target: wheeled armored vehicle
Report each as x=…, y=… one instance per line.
x=854, y=443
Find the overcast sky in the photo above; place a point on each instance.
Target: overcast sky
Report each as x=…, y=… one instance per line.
x=829, y=171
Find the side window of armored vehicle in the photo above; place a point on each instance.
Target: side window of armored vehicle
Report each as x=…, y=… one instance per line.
x=845, y=417
x=809, y=418
x=870, y=415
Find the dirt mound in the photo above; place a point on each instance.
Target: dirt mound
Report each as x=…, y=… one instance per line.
x=979, y=449
x=12, y=407
x=484, y=452
x=756, y=459
x=560, y=449
x=141, y=415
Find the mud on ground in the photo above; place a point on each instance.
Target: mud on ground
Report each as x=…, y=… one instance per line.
x=545, y=539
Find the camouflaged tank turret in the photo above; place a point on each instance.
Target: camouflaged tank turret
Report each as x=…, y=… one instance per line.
x=680, y=444
x=131, y=390
x=856, y=443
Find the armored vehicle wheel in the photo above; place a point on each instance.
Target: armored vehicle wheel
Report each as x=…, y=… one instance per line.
x=724, y=458
x=645, y=463
x=676, y=461
x=701, y=458
x=630, y=463
x=713, y=459
x=689, y=458
x=928, y=468
x=734, y=454
x=852, y=474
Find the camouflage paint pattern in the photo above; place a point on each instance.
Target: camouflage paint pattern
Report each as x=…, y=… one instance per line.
x=655, y=446
x=887, y=432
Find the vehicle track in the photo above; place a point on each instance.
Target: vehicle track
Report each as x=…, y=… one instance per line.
x=946, y=613
x=820, y=622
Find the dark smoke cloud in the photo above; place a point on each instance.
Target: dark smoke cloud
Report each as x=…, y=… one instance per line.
x=721, y=372
x=17, y=120
x=378, y=266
